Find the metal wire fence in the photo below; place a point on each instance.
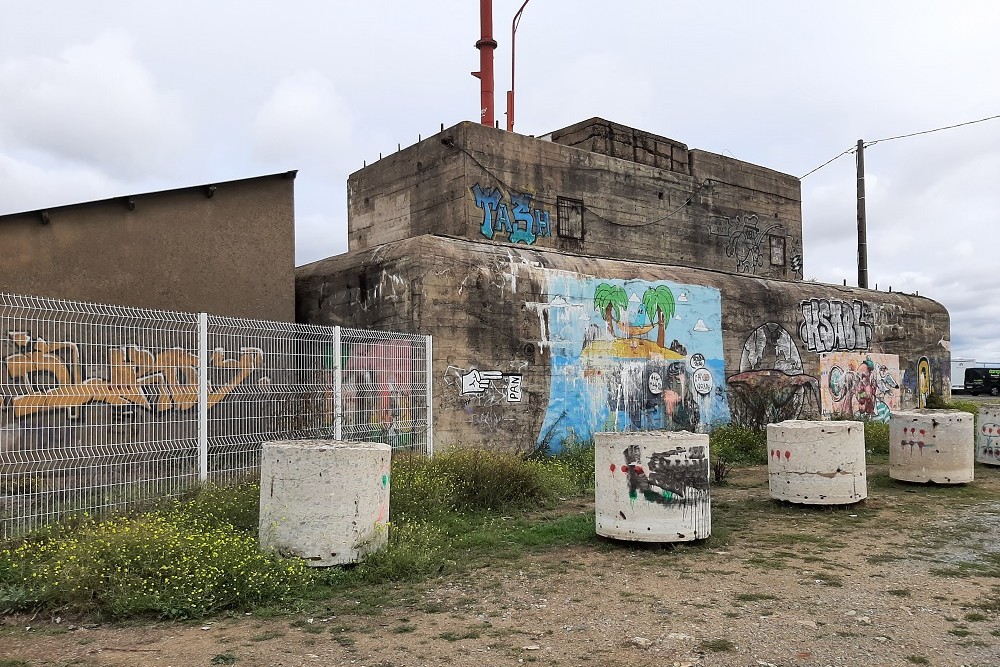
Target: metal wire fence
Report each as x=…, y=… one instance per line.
x=103, y=407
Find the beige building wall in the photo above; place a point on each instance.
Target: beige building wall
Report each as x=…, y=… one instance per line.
x=226, y=248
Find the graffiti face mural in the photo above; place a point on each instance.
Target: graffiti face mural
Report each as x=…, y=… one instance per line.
x=514, y=217
x=377, y=393
x=771, y=385
x=746, y=237
x=613, y=368
x=860, y=386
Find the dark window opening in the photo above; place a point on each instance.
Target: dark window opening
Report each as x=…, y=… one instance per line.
x=569, y=217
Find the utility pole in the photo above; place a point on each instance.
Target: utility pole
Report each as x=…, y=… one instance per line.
x=510, y=93
x=862, y=222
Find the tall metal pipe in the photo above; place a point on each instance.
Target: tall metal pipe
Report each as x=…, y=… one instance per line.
x=486, y=46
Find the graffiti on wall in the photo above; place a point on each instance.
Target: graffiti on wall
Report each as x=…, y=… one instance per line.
x=860, y=386
x=612, y=367
x=377, y=394
x=485, y=395
x=50, y=376
x=830, y=325
x=771, y=385
x=745, y=239
x=513, y=217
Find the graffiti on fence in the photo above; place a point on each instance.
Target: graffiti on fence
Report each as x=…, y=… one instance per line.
x=50, y=376
x=830, y=325
x=378, y=393
x=612, y=367
x=517, y=220
x=745, y=238
x=864, y=386
x=771, y=385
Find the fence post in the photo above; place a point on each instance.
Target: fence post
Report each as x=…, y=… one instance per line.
x=203, y=397
x=338, y=396
x=428, y=343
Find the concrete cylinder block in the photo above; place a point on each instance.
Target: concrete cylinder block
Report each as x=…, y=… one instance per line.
x=817, y=462
x=932, y=446
x=325, y=501
x=988, y=435
x=652, y=486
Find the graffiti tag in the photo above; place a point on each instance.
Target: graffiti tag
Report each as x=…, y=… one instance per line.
x=476, y=383
x=745, y=239
x=516, y=219
x=51, y=376
x=831, y=324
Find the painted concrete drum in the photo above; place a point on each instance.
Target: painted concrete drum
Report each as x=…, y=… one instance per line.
x=988, y=436
x=323, y=500
x=817, y=462
x=932, y=446
x=652, y=486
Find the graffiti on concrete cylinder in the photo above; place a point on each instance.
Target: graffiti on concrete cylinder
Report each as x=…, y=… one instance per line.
x=830, y=325
x=679, y=475
x=771, y=385
x=988, y=442
x=613, y=368
x=860, y=386
x=517, y=220
x=745, y=239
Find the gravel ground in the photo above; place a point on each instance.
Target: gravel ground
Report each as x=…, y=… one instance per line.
x=777, y=585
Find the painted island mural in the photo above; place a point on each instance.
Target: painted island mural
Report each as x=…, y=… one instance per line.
x=632, y=355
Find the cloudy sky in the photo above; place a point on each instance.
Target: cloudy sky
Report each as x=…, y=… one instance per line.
x=106, y=98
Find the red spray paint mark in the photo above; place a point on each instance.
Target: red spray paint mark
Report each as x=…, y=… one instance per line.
x=788, y=455
x=613, y=466
x=639, y=470
x=624, y=468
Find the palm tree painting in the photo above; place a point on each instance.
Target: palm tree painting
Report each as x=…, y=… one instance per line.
x=610, y=301
x=659, y=304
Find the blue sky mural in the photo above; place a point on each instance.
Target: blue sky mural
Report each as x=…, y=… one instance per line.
x=630, y=355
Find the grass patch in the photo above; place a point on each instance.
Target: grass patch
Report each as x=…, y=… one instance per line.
x=198, y=556
x=976, y=617
x=918, y=660
x=828, y=579
x=899, y=592
x=960, y=632
x=717, y=645
x=227, y=658
x=267, y=636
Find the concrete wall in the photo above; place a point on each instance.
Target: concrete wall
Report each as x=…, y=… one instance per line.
x=533, y=346
x=659, y=203
x=229, y=254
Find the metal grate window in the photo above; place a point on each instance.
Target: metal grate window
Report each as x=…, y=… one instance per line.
x=777, y=250
x=569, y=217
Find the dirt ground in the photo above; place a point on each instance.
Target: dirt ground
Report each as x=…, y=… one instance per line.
x=778, y=585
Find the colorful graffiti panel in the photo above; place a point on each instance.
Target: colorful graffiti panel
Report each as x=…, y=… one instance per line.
x=860, y=385
x=632, y=356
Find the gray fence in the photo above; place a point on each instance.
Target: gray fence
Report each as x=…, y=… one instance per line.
x=105, y=406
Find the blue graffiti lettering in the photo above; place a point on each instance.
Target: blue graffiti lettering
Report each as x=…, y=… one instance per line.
x=516, y=220
x=489, y=201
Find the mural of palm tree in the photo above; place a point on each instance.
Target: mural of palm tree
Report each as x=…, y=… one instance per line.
x=610, y=301
x=659, y=300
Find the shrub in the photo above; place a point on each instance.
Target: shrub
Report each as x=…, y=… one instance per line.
x=738, y=445
x=876, y=438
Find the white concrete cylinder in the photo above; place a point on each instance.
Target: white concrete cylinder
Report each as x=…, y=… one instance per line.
x=932, y=446
x=652, y=486
x=325, y=501
x=817, y=462
x=988, y=435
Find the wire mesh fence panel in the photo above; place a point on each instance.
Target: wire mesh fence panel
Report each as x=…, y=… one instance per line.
x=99, y=408
x=384, y=389
x=103, y=407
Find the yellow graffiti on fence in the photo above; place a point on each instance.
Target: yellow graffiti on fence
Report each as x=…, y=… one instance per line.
x=172, y=374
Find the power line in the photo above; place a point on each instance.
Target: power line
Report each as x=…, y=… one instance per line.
x=854, y=149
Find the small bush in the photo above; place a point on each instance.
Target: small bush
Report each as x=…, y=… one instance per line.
x=877, y=438
x=738, y=445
